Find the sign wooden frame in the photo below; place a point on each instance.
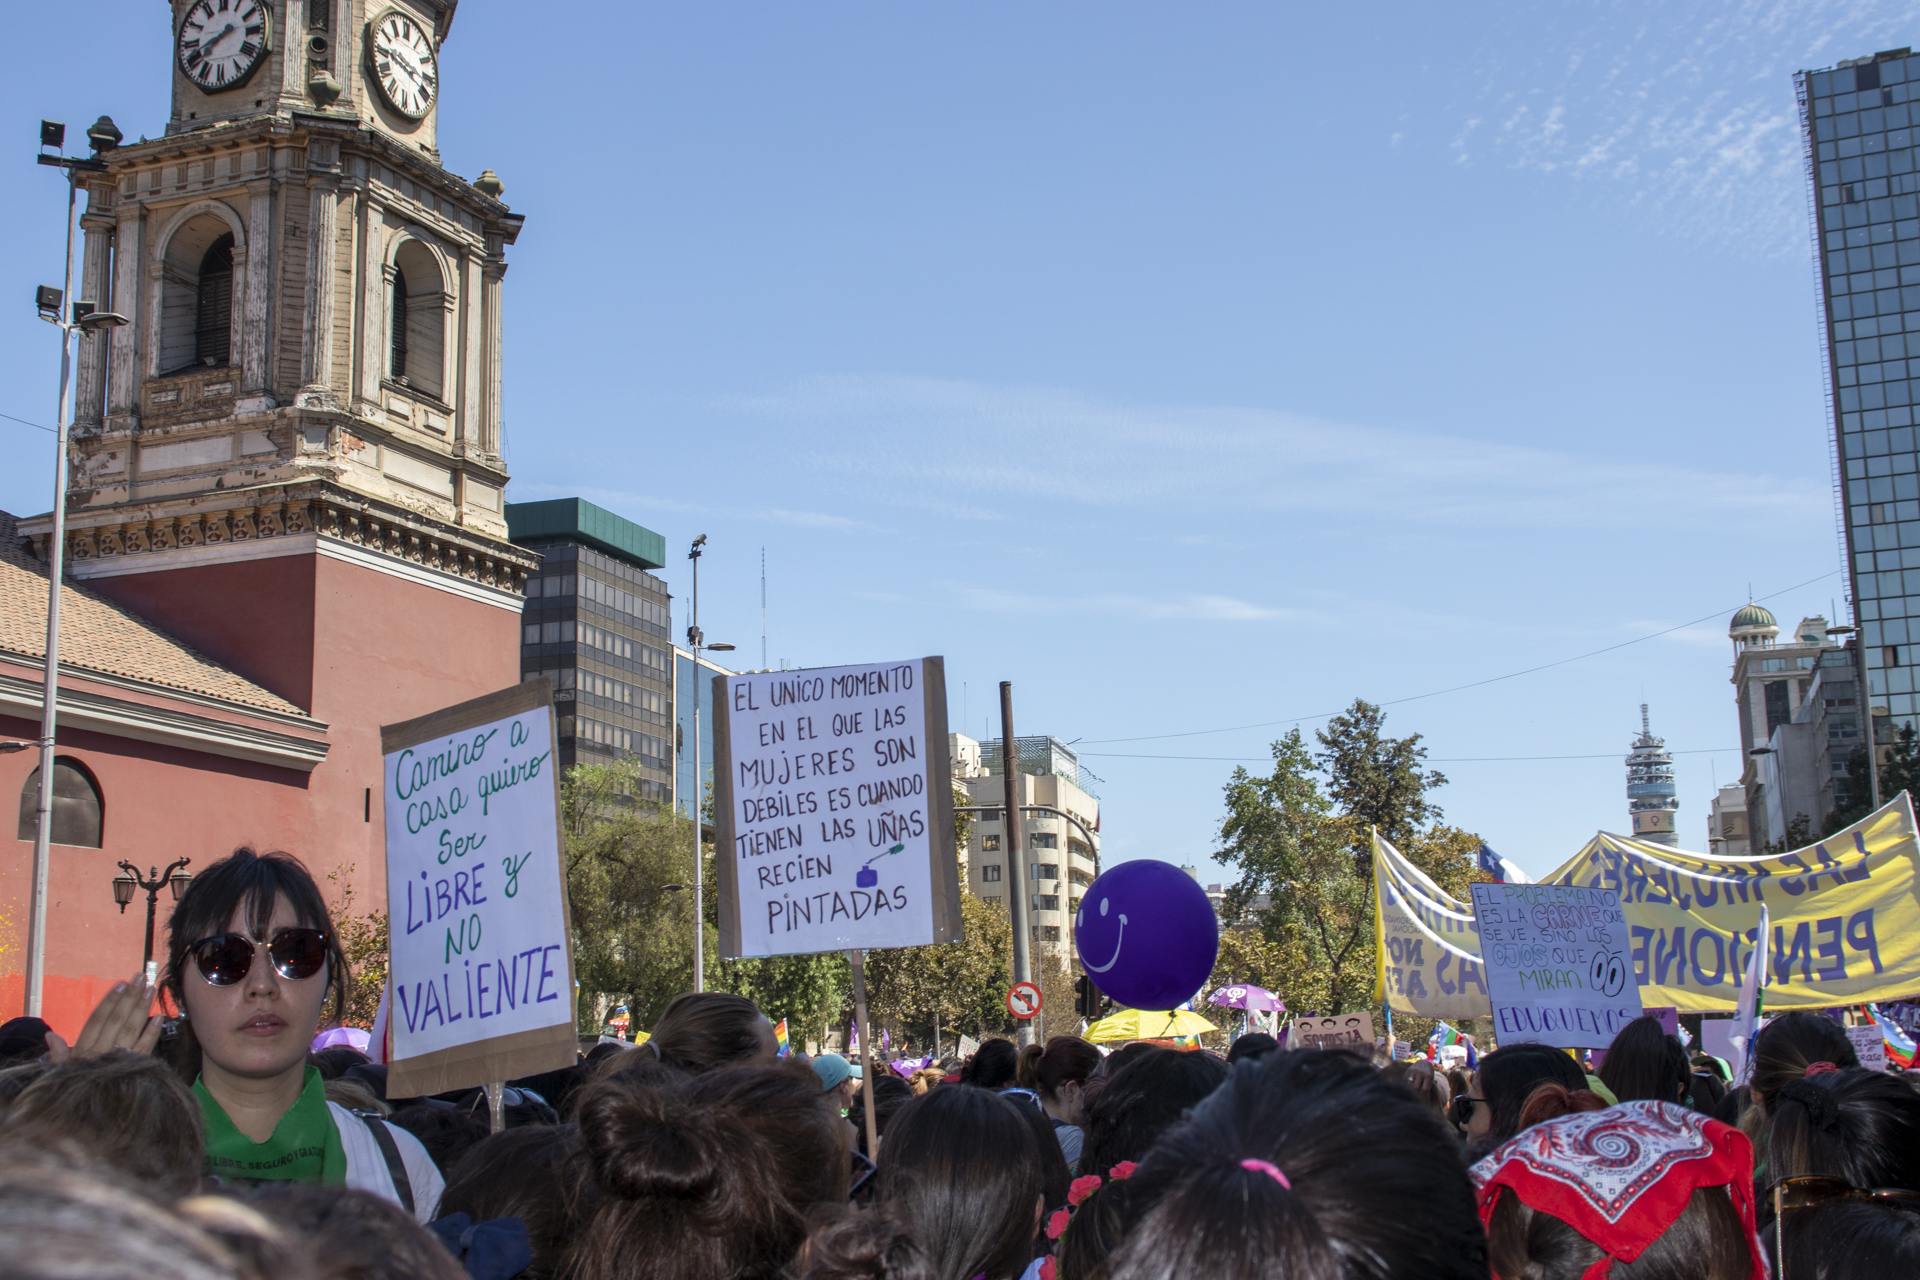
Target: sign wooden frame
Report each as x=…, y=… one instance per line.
x=521, y=1053
x=942, y=851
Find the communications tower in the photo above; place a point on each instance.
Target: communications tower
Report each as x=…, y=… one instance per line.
x=1650, y=791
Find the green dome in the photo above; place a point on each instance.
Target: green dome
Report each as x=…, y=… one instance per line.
x=1751, y=617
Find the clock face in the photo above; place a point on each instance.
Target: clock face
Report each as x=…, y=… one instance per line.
x=223, y=42
x=403, y=64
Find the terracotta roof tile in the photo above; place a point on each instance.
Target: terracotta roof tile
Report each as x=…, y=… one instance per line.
x=99, y=635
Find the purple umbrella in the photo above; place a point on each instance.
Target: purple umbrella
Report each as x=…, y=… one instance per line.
x=1254, y=999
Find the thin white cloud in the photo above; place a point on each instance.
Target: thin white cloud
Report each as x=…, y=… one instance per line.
x=1031, y=449
x=1692, y=117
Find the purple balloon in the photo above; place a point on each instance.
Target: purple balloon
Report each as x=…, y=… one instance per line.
x=1147, y=934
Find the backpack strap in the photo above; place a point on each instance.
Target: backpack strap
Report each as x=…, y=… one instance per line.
x=396, y=1167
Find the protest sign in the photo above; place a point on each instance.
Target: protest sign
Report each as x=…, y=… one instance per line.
x=1556, y=963
x=833, y=807
x=1428, y=945
x=1844, y=918
x=1341, y=1031
x=1870, y=1046
x=479, y=936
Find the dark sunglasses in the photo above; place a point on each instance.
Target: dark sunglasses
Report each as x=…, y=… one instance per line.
x=1462, y=1107
x=227, y=958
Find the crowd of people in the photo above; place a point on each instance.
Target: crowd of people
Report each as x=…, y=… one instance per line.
x=221, y=1145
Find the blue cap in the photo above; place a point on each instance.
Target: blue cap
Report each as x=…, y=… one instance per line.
x=834, y=1070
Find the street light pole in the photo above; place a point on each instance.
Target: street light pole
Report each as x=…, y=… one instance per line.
x=1016, y=866
x=67, y=320
x=129, y=879
x=699, y=872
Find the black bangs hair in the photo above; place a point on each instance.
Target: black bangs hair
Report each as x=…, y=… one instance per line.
x=253, y=881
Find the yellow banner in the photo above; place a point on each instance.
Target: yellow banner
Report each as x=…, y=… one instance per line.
x=1428, y=943
x=1845, y=916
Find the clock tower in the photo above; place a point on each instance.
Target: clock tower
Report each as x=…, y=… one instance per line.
x=290, y=458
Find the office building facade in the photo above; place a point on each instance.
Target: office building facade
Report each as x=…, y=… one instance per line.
x=1857, y=120
x=597, y=624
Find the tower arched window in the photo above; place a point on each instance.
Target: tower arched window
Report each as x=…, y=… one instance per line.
x=79, y=816
x=213, y=305
x=418, y=320
x=196, y=296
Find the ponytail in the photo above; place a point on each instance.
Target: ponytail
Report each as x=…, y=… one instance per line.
x=1026, y=1070
x=863, y=1245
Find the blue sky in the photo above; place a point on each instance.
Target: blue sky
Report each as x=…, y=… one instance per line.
x=1190, y=370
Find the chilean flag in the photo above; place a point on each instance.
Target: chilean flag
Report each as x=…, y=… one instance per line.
x=1499, y=868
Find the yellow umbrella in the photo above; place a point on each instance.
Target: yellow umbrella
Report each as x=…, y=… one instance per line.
x=1143, y=1024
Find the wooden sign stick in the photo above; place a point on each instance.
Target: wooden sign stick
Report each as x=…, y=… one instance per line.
x=858, y=957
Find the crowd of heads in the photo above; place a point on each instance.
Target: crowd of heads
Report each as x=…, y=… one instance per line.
x=705, y=1154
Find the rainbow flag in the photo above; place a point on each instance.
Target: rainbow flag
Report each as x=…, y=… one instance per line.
x=1901, y=1050
x=780, y=1034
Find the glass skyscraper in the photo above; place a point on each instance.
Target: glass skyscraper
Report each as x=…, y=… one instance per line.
x=1860, y=121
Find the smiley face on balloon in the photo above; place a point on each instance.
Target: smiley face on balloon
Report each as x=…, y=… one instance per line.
x=1147, y=934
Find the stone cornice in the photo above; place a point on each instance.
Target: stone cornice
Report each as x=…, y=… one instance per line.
x=232, y=516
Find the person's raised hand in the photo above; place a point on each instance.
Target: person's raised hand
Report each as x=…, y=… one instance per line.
x=119, y=1021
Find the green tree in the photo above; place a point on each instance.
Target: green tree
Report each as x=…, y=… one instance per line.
x=364, y=940
x=1853, y=794
x=1246, y=956
x=632, y=935
x=1376, y=780
x=964, y=982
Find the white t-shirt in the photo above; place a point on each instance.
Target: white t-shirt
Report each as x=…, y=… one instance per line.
x=367, y=1166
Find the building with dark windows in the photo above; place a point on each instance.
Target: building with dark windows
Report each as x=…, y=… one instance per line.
x=597, y=623
x=1799, y=711
x=1859, y=121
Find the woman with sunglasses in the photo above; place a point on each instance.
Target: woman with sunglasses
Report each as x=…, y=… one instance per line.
x=254, y=965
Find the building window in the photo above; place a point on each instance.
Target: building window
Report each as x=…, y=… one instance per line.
x=1046, y=902
x=1044, y=840
x=1045, y=932
x=213, y=305
x=1079, y=848
x=990, y=844
x=417, y=321
x=1046, y=871
x=990, y=873
x=1078, y=878
x=78, y=814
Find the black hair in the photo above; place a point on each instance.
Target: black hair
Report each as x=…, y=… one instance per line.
x=531, y=1173
x=334, y=1062
x=701, y=1030
x=707, y=1177
x=1142, y=1099
x=1305, y=1164
x=1784, y=1049
x=446, y=1132
x=961, y=1170
x=1707, y=1241
x=1254, y=1044
x=1645, y=1064
x=994, y=1065
x=1849, y=1240
x=1508, y=1076
x=1860, y=1125
x=249, y=882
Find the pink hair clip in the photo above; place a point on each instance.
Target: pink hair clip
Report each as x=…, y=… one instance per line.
x=1272, y=1171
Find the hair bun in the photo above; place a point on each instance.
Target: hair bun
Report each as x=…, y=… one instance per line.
x=642, y=1145
x=1822, y=1108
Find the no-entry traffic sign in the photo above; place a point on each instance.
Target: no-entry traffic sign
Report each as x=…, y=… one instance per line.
x=1023, y=1000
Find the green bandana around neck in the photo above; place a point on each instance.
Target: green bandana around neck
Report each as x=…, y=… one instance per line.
x=305, y=1146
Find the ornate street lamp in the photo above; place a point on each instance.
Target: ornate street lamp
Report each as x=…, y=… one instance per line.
x=129, y=879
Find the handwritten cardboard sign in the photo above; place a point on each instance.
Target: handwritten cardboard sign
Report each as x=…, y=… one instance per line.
x=1341, y=1031
x=833, y=809
x=479, y=934
x=1870, y=1045
x=1557, y=963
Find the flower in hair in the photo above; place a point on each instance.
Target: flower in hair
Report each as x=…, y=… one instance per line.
x=1047, y=1268
x=1082, y=1188
x=1122, y=1171
x=1057, y=1223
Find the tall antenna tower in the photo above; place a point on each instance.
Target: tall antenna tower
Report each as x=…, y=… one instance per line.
x=763, y=607
x=1651, y=800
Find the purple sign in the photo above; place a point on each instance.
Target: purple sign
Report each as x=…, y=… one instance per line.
x=1147, y=935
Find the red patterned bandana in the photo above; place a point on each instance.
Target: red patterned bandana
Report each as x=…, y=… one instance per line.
x=1621, y=1176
